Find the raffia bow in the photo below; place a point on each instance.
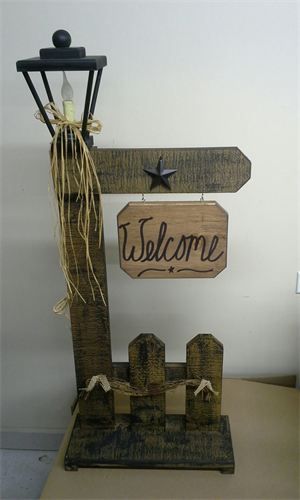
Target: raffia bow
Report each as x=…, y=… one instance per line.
x=68, y=143
x=94, y=126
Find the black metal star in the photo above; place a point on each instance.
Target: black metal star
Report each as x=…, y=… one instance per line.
x=160, y=174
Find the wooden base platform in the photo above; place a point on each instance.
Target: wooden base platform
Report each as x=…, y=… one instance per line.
x=134, y=446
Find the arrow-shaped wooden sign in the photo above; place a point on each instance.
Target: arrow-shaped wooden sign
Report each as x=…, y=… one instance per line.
x=198, y=170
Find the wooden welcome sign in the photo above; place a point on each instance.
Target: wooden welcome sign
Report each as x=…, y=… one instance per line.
x=173, y=239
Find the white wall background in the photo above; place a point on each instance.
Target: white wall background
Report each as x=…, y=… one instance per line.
x=179, y=74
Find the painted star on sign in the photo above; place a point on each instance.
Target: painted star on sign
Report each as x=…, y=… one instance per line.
x=160, y=174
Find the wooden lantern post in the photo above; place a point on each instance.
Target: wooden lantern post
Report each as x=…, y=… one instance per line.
x=173, y=240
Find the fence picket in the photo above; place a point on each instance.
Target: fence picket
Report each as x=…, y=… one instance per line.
x=147, y=368
x=204, y=361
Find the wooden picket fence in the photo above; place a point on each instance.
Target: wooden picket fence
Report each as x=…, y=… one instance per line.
x=147, y=369
x=149, y=436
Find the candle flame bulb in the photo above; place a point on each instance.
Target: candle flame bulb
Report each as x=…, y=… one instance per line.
x=67, y=95
x=66, y=89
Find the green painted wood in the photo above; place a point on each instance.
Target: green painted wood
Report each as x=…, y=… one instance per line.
x=199, y=170
x=90, y=329
x=140, y=447
x=204, y=359
x=147, y=369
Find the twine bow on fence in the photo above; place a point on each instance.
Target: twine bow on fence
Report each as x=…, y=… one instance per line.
x=68, y=143
x=203, y=387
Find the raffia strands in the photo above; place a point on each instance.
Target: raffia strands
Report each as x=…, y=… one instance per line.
x=68, y=143
x=204, y=387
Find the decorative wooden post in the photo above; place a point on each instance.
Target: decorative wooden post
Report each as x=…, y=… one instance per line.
x=147, y=371
x=90, y=329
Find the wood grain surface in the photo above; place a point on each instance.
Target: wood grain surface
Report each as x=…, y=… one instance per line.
x=147, y=369
x=90, y=328
x=141, y=447
x=199, y=170
x=173, y=239
x=204, y=359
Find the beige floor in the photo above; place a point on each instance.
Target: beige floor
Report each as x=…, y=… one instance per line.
x=265, y=430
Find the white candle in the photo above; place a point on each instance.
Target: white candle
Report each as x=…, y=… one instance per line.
x=69, y=110
x=67, y=95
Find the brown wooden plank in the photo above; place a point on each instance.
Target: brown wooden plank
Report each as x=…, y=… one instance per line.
x=204, y=361
x=140, y=446
x=173, y=239
x=90, y=328
x=147, y=368
x=199, y=170
x=173, y=371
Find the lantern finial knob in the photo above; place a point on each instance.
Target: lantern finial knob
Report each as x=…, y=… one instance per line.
x=61, y=39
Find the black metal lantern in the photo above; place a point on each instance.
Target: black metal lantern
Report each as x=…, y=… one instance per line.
x=62, y=57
